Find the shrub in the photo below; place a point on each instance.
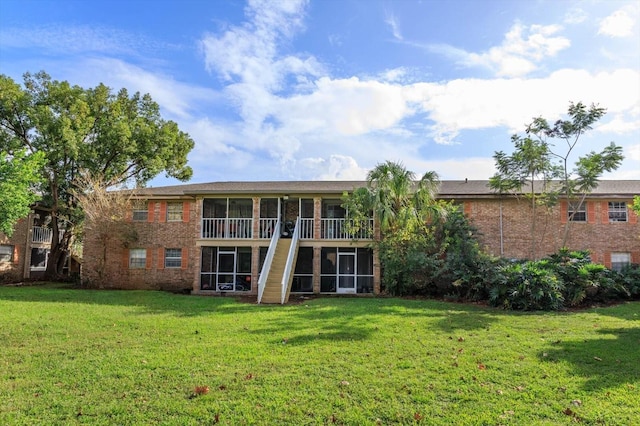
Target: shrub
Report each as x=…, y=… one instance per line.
x=628, y=281
x=527, y=286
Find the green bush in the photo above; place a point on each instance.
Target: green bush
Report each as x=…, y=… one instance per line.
x=527, y=286
x=628, y=281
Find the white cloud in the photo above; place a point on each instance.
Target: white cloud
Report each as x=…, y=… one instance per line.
x=177, y=98
x=249, y=53
x=476, y=104
x=523, y=48
x=322, y=127
x=619, y=125
x=633, y=152
x=334, y=167
x=575, y=15
x=392, y=21
x=76, y=39
x=619, y=24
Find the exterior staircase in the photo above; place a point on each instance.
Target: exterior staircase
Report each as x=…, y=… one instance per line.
x=273, y=287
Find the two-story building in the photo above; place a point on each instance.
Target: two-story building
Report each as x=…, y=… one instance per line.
x=271, y=239
x=261, y=238
x=24, y=256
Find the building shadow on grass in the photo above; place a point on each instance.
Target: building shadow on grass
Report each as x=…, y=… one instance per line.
x=606, y=362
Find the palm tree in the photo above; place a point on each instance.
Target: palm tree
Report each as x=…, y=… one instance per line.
x=396, y=199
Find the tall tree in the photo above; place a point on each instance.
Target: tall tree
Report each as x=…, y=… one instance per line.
x=115, y=137
x=19, y=174
x=583, y=178
x=403, y=207
x=541, y=145
x=530, y=166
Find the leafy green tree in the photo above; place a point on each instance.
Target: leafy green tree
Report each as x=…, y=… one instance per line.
x=636, y=204
x=403, y=207
x=117, y=138
x=529, y=166
x=583, y=178
x=396, y=198
x=19, y=174
x=533, y=160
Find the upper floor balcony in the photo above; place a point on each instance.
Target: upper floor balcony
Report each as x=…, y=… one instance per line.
x=244, y=229
x=41, y=234
x=255, y=219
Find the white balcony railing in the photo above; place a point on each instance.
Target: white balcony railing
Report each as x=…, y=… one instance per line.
x=266, y=227
x=41, y=235
x=227, y=228
x=306, y=229
x=338, y=229
x=242, y=228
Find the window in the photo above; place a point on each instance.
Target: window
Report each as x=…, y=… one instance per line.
x=333, y=209
x=140, y=213
x=617, y=211
x=268, y=208
x=303, y=273
x=577, y=212
x=6, y=253
x=174, y=212
x=173, y=258
x=226, y=269
x=137, y=258
x=620, y=260
x=39, y=258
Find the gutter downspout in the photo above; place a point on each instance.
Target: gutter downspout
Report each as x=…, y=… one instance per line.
x=501, y=231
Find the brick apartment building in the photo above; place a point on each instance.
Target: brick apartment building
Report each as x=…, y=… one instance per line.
x=216, y=238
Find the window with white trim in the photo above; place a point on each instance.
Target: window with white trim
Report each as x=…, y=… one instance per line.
x=620, y=260
x=577, y=212
x=6, y=253
x=172, y=258
x=617, y=211
x=174, y=212
x=137, y=258
x=39, y=258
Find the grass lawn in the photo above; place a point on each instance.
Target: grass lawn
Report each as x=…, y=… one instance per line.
x=140, y=357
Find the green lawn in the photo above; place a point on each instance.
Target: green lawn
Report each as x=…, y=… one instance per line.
x=133, y=357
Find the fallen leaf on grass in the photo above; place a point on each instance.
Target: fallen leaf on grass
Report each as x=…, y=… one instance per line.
x=248, y=376
x=597, y=358
x=201, y=390
x=417, y=416
x=344, y=383
x=568, y=411
x=576, y=402
x=222, y=387
x=482, y=367
x=460, y=339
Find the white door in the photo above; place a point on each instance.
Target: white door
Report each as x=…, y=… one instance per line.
x=226, y=270
x=346, y=273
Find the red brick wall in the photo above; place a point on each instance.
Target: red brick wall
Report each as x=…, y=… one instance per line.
x=154, y=235
x=14, y=271
x=596, y=234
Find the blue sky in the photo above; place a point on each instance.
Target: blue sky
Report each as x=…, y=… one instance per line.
x=327, y=89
